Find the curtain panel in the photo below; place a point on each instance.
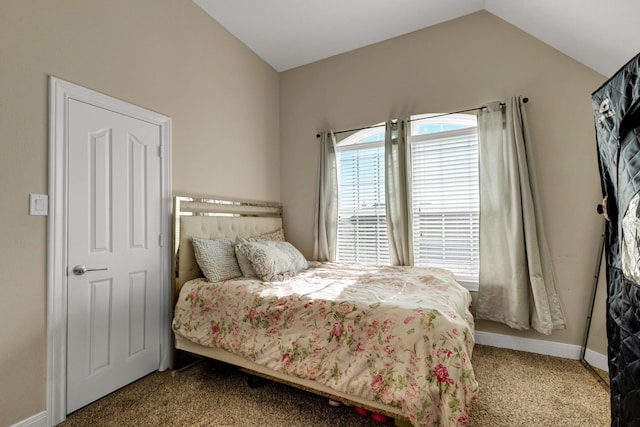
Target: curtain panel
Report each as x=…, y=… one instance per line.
x=517, y=284
x=397, y=193
x=326, y=212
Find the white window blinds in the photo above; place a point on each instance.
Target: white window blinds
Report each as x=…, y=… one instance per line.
x=362, y=225
x=444, y=196
x=445, y=200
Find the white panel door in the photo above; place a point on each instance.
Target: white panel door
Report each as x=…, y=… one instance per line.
x=114, y=188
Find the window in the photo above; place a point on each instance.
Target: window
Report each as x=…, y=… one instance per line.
x=444, y=192
x=362, y=223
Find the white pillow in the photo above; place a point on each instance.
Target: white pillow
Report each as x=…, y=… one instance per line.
x=243, y=262
x=273, y=260
x=216, y=258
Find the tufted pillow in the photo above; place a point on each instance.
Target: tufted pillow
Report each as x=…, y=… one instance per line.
x=216, y=258
x=273, y=260
x=243, y=262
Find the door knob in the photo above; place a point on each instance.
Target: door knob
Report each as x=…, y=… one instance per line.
x=79, y=270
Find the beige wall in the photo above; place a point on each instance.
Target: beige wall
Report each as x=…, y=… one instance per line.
x=164, y=55
x=456, y=65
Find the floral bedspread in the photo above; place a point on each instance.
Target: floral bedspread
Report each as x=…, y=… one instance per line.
x=398, y=335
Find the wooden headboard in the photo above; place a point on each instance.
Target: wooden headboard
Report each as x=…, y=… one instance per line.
x=214, y=218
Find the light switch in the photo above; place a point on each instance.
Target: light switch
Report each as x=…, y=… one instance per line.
x=38, y=204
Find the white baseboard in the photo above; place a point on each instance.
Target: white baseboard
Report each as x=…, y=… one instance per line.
x=37, y=420
x=550, y=348
x=597, y=360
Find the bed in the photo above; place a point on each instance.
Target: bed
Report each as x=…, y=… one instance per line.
x=393, y=340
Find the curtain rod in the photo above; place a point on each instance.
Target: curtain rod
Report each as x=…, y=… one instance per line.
x=524, y=100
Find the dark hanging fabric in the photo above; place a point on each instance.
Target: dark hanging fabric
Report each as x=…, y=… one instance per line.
x=616, y=107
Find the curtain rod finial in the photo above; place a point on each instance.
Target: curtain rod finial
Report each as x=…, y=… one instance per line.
x=525, y=100
x=317, y=135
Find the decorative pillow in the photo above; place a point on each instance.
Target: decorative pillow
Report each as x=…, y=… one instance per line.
x=216, y=258
x=243, y=262
x=273, y=260
x=277, y=235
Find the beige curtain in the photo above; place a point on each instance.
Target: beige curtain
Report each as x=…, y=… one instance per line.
x=397, y=194
x=517, y=285
x=326, y=213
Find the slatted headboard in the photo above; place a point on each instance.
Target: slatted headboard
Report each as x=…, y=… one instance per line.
x=215, y=218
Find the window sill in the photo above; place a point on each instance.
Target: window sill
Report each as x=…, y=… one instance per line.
x=469, y=285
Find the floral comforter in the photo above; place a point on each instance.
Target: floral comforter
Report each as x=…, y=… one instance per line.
x=398, y=335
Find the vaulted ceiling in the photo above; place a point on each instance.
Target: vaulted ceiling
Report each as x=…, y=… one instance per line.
x=602, y=35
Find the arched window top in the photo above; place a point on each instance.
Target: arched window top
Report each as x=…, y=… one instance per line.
x=423, y=124
x=371, y=136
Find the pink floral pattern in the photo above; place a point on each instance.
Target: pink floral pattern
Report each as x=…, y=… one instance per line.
x=398, y=335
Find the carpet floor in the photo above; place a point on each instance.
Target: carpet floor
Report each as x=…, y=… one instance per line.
x=516, y=389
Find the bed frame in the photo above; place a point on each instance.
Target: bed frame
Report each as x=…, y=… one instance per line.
x=215, y=218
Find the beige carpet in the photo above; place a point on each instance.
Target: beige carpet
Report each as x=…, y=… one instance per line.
x=516, y=389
